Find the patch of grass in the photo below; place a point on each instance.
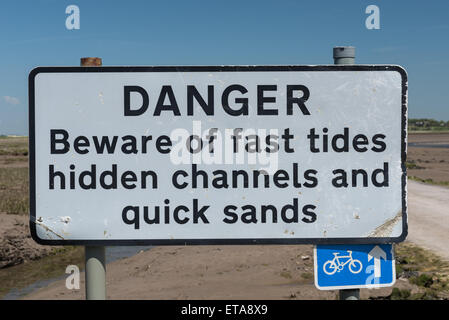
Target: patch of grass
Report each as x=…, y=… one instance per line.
x=51, y=266
x=423, y=280
x=398, y=294
x=424, y=269
x=307, y=275
x=429, y=181
x=15, y=159
x=14, y=190
x=14, y=146
x=412, y=257
x=14, y=152
x=427, y=130
x=286, y=274
x=412, y=165
x=426, y=295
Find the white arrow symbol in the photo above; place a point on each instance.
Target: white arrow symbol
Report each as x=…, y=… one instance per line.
x=377, y=253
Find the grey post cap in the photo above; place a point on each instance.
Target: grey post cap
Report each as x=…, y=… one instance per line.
x=344, y=52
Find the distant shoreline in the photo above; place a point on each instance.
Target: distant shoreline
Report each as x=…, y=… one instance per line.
x=408, y=131
x=427, y=131
x=12, y=136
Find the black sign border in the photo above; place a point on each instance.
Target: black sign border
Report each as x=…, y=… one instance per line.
x=240, y=241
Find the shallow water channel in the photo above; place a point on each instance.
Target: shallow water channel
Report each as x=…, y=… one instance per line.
x=112, y=254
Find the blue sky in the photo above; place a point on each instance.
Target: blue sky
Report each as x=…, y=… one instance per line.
x=413, y=34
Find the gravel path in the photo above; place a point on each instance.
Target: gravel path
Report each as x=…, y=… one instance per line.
x=428, y=217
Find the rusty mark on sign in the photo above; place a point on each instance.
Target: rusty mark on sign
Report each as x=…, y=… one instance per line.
x=47, y=229
x=386, y=228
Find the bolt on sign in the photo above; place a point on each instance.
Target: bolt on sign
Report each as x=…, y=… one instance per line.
x=218, y=155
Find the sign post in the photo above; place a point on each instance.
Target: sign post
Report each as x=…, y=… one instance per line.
x=346, y=55
x=95, y=256
x=348, y=267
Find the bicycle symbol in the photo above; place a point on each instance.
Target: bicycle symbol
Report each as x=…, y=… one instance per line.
x=334, y=265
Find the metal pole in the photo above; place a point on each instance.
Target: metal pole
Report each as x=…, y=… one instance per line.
x=94, y=255
x=346, y=55
x=95, y=273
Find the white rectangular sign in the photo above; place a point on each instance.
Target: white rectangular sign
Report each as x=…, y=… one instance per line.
x=218, y=155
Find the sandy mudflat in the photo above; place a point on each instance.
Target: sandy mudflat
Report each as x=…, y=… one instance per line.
x=16, y=244
x=429, y=162
x=211, y=272
x=429, y=137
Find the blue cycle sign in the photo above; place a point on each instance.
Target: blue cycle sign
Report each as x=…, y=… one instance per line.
x=340, y=261
x=354, y=266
